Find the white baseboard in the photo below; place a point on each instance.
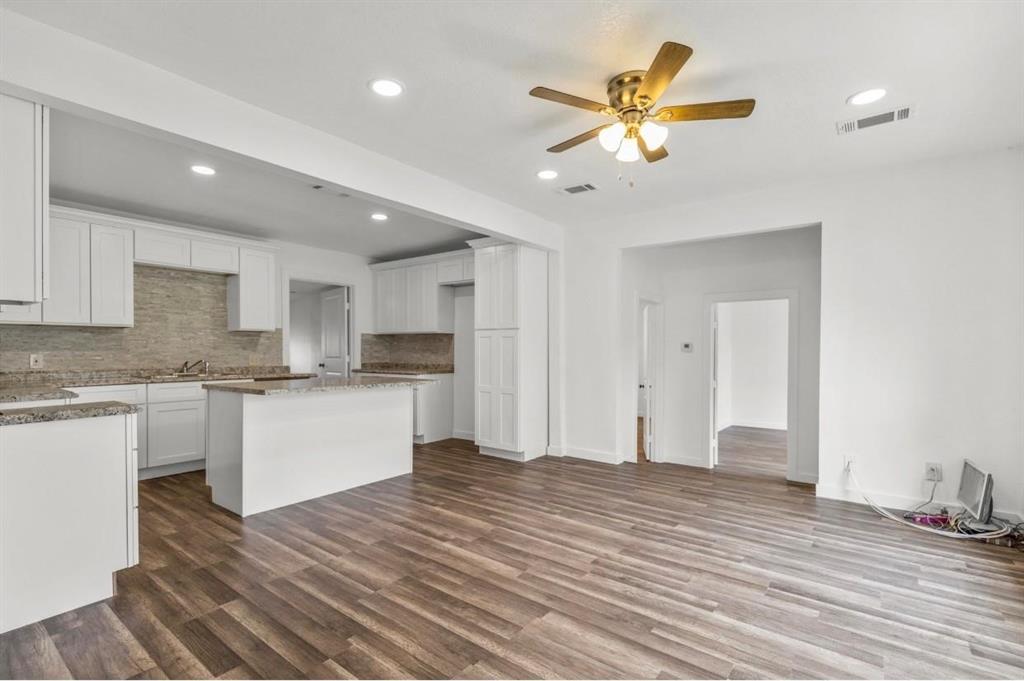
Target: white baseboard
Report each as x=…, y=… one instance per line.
x=463, y=435
x=171, y=469
x=554, y=450
x=592, y=455
x=503, y=454
x=903, y=503
x=767, y=425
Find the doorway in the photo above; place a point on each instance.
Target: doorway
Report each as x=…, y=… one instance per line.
x=648, y=371
x=750, y=386
x=319, y=323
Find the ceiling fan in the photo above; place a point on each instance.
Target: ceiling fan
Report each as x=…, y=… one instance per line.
x=631, y=98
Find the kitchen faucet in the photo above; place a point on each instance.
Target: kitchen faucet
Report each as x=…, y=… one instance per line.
x=187, y=368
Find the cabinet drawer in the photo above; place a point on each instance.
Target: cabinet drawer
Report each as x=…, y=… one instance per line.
x=175, y=392
x=132, y=394
x=211, y=256
x=161, y=248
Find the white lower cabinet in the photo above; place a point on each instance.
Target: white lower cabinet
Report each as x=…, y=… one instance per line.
x=176, y=432
x=497, y=393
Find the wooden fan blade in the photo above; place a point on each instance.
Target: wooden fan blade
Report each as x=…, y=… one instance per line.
x=736, y=108
x=578, y=139
x=666, y=65
x=572, y=100
x=652, y=156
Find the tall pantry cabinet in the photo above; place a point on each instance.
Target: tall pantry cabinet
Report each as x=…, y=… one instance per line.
x=511, y=336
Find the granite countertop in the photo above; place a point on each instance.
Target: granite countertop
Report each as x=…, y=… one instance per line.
x=214, y=376
x=404, y=369
x=33, y=393
x=315, y=385
x=42, y=383
x=64, y=412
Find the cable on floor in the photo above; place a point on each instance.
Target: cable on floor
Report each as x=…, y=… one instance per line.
x=956, y=523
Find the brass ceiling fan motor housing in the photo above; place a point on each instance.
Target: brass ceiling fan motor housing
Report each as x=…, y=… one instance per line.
x=622, y=89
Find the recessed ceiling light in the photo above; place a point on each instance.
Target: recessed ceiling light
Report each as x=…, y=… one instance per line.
x=386, y=87
x=866, y=97
x=547, y=174
x=379, y=217
x=203, y=170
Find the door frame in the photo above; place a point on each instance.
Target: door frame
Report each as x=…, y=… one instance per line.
x=793, y=370
x=287, y=275
x=655, y=372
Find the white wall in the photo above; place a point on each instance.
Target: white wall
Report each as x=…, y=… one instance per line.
x=754, y=383
x=691, y=274
x=463, y=425
x=304, y=337
x=922, y=318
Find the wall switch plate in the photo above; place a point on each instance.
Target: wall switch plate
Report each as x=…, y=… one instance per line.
x=686, y=346
x=933, y=472
x=35, y=361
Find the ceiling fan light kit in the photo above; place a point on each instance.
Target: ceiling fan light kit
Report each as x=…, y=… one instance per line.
x=631, y=99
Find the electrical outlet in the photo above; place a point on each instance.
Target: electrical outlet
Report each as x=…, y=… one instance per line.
x=933, y=472
x=35, y=361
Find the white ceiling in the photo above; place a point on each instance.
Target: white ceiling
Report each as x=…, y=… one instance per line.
x=109, y=167
x=466, y=115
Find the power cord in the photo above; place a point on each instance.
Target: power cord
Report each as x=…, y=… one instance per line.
x=994, y=534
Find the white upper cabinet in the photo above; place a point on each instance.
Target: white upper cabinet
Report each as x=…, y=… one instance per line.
x=113, y=301
x=410, y=300
x=70, y=300
x=496, y=298
x=211, y=256
x=24, y=201
x=251, y=292
x=157, y=247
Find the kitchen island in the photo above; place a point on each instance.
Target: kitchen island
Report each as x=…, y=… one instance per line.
x=274, y=443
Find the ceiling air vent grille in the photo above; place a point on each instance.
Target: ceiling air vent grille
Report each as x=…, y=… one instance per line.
x=579, y=189
x=891, y=116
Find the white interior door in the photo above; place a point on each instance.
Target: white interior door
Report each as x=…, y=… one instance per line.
x=647, y=380
x=334, y=317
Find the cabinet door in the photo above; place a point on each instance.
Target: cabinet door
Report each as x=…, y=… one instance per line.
x=381, y=293
x=70, y=301
x=505, y=277
x=251, y=292
x=24, y=199
x=485, y=400
x=111, y=276
x=415, y=295
x=141, y=421
x=154, y=247
x=483, y=296
x=497, y=389
x=467, y=268
x=177, y=432
x=399, y=314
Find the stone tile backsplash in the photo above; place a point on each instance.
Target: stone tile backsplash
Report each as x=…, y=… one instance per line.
x=179, y=315
x=408, y=348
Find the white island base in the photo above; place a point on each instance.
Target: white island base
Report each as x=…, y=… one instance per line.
x=265, y=451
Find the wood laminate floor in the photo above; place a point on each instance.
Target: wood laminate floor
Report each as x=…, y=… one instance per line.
x=479, y=567
x=752, y=451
